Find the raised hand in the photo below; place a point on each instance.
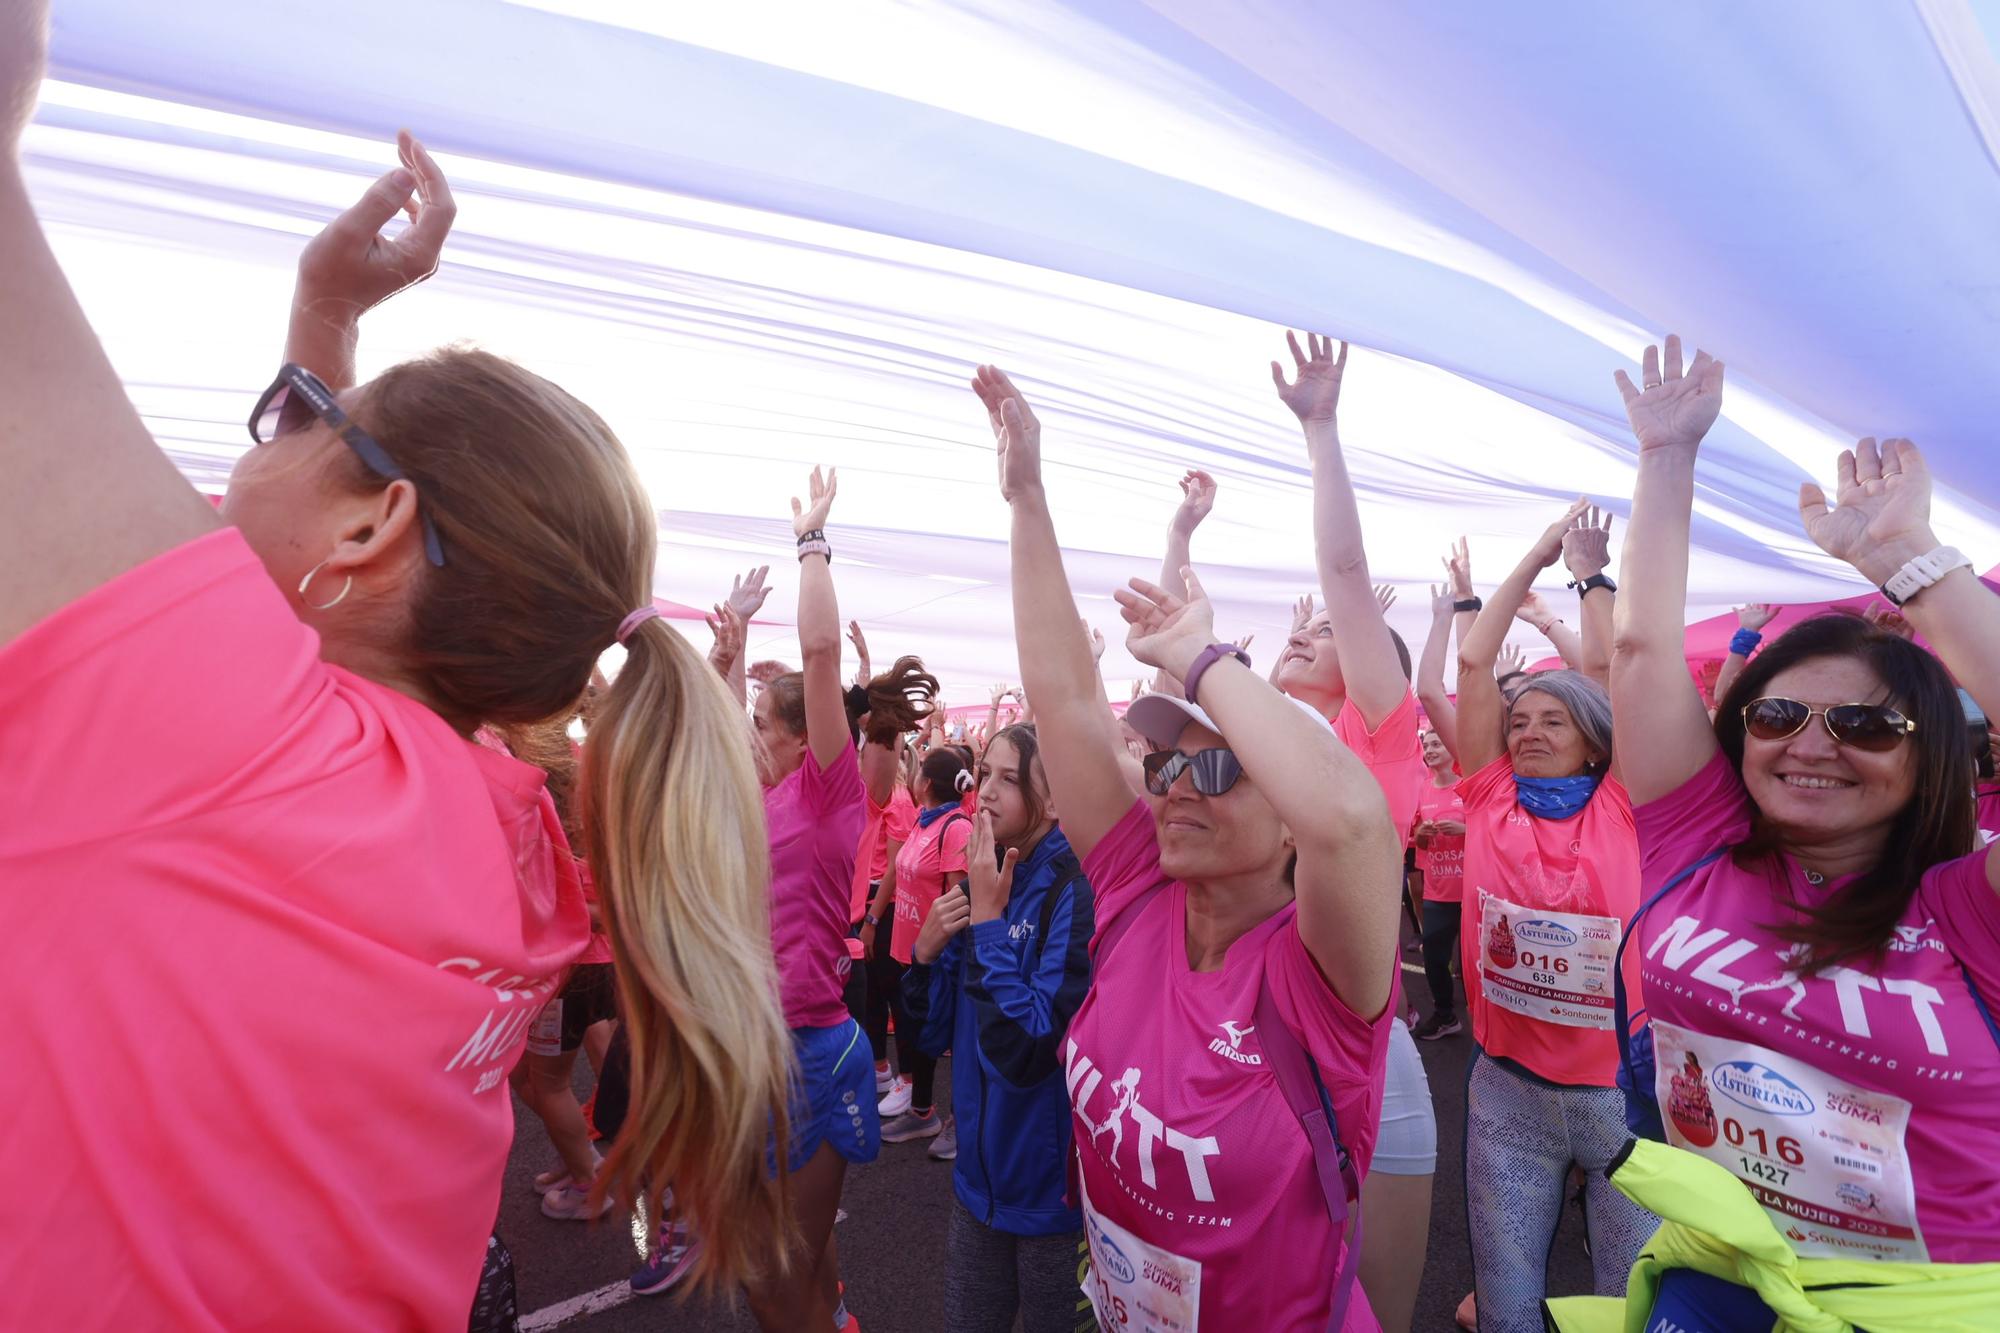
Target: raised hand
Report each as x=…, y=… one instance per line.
x=1672, y=410
x=747, y=593
x=1535, y=610
x=1548, y=548
x=1315, y=397
x=1889, y=620
x=1243, y=644
x=1458, y=568
x=1096, y=643
x=1017, y=435
x=1755, y=616
x=727, y=624
x=1166, y=631
x=811, y=517
x=1511, y=659
x=1586, y=543
x=1442, y=602
x=1197, y=499
x=1385, y=597
x=1881, y=515
x=351, y=265
x=1302, y=613
x=1000, y=693
x=992, y=878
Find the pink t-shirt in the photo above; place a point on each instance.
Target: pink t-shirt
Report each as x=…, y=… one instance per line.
x=1987, y=800
x=599, y=948
x=1569, y=886
x=1183, y=1138
x=815, y=818
x=286, y=934
x=885, y=824
x=1393, y=754
x=1443, y=862
x=930, y=857
x=1905, y=1026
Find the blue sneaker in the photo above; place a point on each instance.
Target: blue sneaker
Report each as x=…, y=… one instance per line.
x=668, y=1260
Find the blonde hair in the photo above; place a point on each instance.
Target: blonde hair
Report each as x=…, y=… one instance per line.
x=550, y=540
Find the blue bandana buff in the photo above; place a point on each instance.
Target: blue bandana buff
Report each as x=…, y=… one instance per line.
x=926, y=818
x=1555, y=798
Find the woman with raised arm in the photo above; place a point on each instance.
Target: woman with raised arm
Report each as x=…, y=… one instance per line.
x=999, y=972
x=1354, y=671
x=1245, y=941
x=277, y=794
x=1551, y=873
x=1820, y=934
x=1439, y=839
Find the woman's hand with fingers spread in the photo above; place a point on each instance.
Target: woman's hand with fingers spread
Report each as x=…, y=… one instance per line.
x=1442, y=602
x=991, y=877
x=1549, y=547
x=1458, y=567
x=1385, y=597
x=1881, y=513
x=1315, y=396
x=1671, y=410
x=1017, y=435
x=1511, y=659
x=1197, y=499
x=1586, y=545
x=747, y=593
x=728, y=627
x=352, y=265
x=1755, y=616
x=1166, y=631
x=1302, y=613
x=811, y=517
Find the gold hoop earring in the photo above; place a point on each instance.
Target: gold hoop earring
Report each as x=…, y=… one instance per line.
x=339, y=597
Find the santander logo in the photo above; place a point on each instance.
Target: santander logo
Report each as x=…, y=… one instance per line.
x=1761, y=1088
x=1548, y=934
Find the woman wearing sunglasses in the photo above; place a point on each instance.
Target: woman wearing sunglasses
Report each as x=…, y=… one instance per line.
x=284, y=902
x=1257, y=876
x=1827, y=935
x=1551, y=871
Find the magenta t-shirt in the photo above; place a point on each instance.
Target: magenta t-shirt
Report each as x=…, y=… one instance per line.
x=1859, y=1104
x=275, y=935
x=815, y=817
x=1196, y=1171
x=1987, y=802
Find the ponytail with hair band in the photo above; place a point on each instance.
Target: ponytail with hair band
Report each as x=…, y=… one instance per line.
x=678, y=847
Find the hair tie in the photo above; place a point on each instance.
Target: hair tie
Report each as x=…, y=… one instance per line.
x=965, y=782
x=636, y=619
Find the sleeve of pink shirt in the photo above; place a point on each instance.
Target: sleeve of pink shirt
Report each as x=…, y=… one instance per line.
x=1393, y=753
x=1967, y=910
x=1491, y=784
x=1123, y=866
x=901, y=817
x=1708, y=811
x=834, y=787
x=155, y=693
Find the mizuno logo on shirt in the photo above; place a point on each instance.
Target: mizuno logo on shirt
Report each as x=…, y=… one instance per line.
x=1232, y=1049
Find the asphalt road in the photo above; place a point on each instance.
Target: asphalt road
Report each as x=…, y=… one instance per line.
x=892, y=1241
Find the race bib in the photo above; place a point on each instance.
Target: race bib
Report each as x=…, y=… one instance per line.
x=1552, y=966
x=1825, y=1158
x=1136, y=1287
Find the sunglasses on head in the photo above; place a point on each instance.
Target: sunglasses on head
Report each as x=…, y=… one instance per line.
x=1215, y=771
x=296, y=399
x=1873, y=727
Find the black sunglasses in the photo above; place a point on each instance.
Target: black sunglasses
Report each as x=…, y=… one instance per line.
x=297, y=398
x=1215, y=771
x=1872, y=727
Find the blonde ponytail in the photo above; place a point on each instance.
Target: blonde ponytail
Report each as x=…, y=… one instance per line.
x=678, y=845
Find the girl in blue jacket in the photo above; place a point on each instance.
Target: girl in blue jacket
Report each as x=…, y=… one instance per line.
x=1000, y=968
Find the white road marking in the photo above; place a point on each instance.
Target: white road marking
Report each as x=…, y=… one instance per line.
x=607, y=1297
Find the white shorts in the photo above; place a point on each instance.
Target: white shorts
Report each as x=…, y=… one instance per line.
x=1408, y=1142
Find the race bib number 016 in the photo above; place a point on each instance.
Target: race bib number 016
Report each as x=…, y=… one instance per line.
x=1551, y=966
x=1136, y=1287
x=1825, y=1158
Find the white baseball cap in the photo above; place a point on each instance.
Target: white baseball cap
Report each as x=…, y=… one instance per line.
x=1161, y=718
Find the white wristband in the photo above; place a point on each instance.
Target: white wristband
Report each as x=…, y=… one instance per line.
x=1922, y=571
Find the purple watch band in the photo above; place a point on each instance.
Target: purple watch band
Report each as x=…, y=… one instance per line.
x=1208, y=657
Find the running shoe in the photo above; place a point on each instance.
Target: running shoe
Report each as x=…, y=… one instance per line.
x=884, y=1080
x=1438, y=1026
x=909, y=1125
x=944, y=1147
x=668, y=1259
x=568, y=1203
x=898, y=1100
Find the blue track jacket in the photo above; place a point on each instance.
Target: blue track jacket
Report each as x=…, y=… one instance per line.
x=1001, y=1001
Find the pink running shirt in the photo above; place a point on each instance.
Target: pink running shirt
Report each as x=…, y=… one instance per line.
x=885, y=824
x=1443, y=862
x=599, y=948
x=1898, y=1043
x=286, y=936
x=1987, y=802
x=1393, y=754
x=930, y=858
x=1571, y=885
x=1183, y=1138
x=815, y=818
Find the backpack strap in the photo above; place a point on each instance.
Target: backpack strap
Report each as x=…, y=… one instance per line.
x=1618, y=1001
x=1049, y=903
x=1972, y=987
x=1305, y=1093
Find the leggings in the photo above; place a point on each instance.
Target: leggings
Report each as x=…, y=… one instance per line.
x=1440, y=943
x=885, y=995
x=990, y=1274
x=1521, y=1137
